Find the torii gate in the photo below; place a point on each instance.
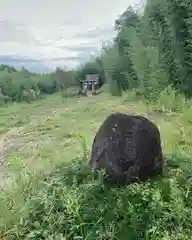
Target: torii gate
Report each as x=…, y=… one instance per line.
x=91, y=79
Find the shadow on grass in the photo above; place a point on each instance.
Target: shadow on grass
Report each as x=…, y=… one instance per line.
x=72, y=205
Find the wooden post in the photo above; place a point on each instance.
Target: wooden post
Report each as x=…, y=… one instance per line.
x=85, y=88
x=92, y=87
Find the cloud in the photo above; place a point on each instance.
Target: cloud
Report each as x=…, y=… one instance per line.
x=11, y=32
x=57, y=32
x=17, y=62
x=17, y=59
x=98, y=31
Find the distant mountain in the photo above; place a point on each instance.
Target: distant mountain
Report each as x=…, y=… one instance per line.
x=33, y=65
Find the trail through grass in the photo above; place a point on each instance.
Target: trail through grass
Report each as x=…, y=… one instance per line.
x=51, y=193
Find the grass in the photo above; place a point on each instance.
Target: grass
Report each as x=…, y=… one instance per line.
x=51, y=193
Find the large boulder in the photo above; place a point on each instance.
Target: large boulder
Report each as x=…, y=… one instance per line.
x=128, y=148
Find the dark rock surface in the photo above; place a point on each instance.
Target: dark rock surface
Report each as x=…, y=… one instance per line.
x=128, y=147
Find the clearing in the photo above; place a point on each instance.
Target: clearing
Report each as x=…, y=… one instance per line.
x=52, y=195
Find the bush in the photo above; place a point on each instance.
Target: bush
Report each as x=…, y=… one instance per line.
x=29, y=95
x=47, y=85
x=4, y=99
x=172, y=100
x=23, y=85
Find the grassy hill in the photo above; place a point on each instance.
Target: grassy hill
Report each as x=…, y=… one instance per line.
x=51, y=193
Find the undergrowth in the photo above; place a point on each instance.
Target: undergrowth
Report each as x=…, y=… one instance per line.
x=70, y=204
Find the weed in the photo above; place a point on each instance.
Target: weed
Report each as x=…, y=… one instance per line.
x=52, y=194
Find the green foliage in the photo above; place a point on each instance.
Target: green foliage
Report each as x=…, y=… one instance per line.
x=110, y=64
x=169, y=23
x=63, y=80
x=20, y=85
x=26, y=86
x=151, y=50
x=71, y=205
x=4, y=99
x=46, y=84
x=29, y=95
x=94, y=66
x=171, y=100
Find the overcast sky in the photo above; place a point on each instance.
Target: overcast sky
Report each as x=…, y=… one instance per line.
x=55, y=32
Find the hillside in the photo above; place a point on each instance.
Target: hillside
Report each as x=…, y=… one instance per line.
x=53, y=195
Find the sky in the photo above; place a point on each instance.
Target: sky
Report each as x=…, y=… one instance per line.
x=44, y=34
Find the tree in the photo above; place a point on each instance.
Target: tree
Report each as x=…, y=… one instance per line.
x=63, y=79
